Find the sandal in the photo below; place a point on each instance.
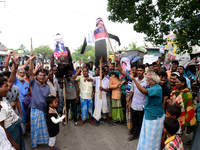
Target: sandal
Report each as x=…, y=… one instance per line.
x=76, y=123
x=91, y=122
x=82, y=122
x=131, y=138
x=110, y=124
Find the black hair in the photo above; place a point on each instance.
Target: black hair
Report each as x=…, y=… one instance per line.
x=90, y=62
x=162, y=74
x=124, y=62
x=147, y=64
x=176, y=62
x=106, y=66
x=7, y=73
x=171, y=125
x=104, y=70
x=174, y=110
x=96, y=68
x=113, y=64
x=2, y=80
x=154, y=63
x=182, y=79
x=49, y=100
x=133, y=65
x=1, y=74
x=182, y=67
x=141, y=66
x=10, y=64
x=150, y=65
x=77, y=68
x=26, y=68
x=88, y=65
x=86, y=68
x=40, y=71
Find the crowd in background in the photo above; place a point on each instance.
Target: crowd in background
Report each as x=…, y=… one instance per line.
x=157, y=105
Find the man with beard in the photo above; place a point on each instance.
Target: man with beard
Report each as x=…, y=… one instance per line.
x=173, y=77
x=165, y=89
x=111, y=66
x=96, y=71
x=39, y=132
x=23, y=87
x=175, y=64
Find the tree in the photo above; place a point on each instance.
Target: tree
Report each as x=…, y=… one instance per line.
x=23, y=48
x=89, y=54
x=43, y=49
x=158, y=18
x=133, y=46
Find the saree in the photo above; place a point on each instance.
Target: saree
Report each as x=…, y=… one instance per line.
x=184, y=99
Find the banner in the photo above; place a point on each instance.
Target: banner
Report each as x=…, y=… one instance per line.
x=59, y=46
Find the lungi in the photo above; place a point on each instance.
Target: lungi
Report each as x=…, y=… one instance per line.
x=86, y=106
x=15, y=131
x=117, y=111
x=100, y=106
x=150, y=134
x=39, y=131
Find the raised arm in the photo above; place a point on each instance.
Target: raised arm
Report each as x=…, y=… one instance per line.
x=119, y=66
x=7, y=60
x=77, y=73
x=31, y=67
x=12, y=77
x=26, y=64
x=38, y=68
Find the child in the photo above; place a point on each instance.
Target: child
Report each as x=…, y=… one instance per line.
x=173, y=142
x=174, y=111
x=53, y=120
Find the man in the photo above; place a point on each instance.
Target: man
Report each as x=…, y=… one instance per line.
x=96, y=71
x=151, y=69
x=13, y=94
x=106, y=69
x=101, y=104
x=181, y=71
x=91, y=67
x=53, y=86
x=165, y=89
x=174, y=67
x=111, y=66
x=137, y=105
x=23, y=90
x=134, y=70
x=39, y=131
x=85, y=94
x=173, y=77
x=157, y=67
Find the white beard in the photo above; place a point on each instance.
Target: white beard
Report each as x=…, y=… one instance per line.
x=21, y=78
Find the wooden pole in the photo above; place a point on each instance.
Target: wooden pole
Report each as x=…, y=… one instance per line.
x=65, y=103
x=100, y=93
x=43, y=61
x=109, y=40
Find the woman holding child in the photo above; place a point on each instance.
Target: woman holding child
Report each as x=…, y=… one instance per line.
x=152, y=126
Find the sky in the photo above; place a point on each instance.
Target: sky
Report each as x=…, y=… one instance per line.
x=43, y=19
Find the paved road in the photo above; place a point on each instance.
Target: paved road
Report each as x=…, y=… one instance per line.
x=89, y=137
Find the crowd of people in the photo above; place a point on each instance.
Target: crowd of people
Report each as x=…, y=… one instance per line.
x=155, y=104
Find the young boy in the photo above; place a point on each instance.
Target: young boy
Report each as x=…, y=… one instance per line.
x=174, y=111
x=173, y=142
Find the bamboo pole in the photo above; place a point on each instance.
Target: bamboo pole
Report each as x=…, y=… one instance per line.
x=65, y=103
x=109, y=40
x=100, y=93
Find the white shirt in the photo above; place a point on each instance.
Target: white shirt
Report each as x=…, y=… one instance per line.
x=5, y=143
x=105, y=84
x=91, y=73
x=60, y=91
x=86, y=87
x=7, y=113
x=53, y=88
x=138, y=99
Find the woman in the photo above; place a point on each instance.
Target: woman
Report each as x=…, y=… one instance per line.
x=183, y=97
x=152, y=126
x=9, y=120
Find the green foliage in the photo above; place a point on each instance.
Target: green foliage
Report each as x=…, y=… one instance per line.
x=23, y=48
x=133, y=46
x=43, y=49
x=89, y=54
x=158, y=18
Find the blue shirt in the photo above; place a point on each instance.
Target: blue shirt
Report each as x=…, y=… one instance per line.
x=23, y=88
x=188, y=84
x=153, y=106
x=39, y=95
